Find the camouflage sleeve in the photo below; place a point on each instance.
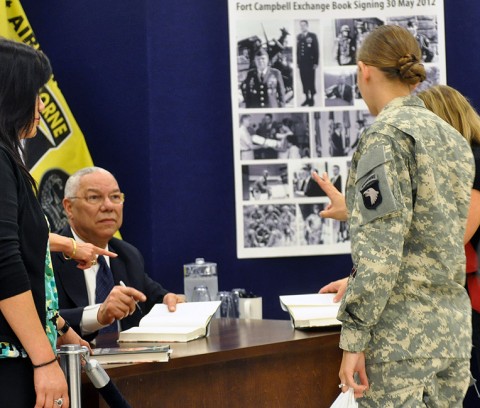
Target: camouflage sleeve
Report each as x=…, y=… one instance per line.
x=380, y=216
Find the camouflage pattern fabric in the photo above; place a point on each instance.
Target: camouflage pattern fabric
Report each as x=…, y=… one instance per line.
x=439, y=383
x=408, y=195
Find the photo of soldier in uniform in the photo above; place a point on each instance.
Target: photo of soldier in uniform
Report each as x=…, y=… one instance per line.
x=307, y=53
x=265, y=64
x=345, y=45
x=343, y=37
x=274, y=136
x=269, y=225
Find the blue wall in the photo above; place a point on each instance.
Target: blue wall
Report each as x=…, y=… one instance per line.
x=149, y=87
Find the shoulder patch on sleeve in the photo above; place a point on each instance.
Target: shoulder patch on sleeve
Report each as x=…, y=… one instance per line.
x=373, y=189
x=371, y=194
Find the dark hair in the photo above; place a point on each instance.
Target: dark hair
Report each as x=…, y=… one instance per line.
x=23, y=71
x=292, y=139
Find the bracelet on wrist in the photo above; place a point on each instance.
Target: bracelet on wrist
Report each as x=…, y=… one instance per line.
x=45, y=364
x=74, y=251
x=64, y=329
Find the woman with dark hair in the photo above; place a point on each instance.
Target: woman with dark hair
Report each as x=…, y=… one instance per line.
x=29, y=320
x=406, y=329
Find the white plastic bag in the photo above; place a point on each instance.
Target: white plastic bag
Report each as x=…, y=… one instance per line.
x=345, y=400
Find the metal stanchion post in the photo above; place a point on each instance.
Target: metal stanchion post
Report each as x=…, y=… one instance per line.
x=70, y=361
x=71, y=356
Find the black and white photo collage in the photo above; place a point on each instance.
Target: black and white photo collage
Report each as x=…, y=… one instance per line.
x=298, y=110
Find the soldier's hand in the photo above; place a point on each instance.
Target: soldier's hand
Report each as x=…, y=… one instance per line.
x=337, y=209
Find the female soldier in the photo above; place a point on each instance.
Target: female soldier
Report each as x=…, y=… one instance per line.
x=405, y=315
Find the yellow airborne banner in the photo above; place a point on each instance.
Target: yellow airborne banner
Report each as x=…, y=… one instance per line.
x=59, y=149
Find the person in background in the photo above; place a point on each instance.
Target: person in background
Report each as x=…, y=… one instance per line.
x=93, y=204
x=402, y=218
x=30, y=326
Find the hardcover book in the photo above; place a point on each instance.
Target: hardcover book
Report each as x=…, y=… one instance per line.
x=189, y=322
x=311, y=310
x=127, y=355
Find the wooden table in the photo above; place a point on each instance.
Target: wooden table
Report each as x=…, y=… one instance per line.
x=243, y=363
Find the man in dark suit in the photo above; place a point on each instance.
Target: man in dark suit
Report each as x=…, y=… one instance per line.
x=307, y=61
x=93, y=204
x=263, y=87
x=309, y=187
x=336, y=141
x=336, y=180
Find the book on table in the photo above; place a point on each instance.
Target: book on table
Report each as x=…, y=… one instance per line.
x=311, y=310
x=190, y=321
x=128, y=355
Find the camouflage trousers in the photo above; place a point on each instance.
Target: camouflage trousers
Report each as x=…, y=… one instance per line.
x=428, y=382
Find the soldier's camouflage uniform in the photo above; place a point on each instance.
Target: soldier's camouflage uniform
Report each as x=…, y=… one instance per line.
x=408, y=196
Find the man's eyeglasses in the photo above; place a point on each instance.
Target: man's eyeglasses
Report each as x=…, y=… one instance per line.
x=96, y=199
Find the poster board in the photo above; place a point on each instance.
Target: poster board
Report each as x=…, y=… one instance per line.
x=296, y=108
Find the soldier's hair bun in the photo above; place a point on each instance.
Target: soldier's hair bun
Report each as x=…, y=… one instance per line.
x=411, y=70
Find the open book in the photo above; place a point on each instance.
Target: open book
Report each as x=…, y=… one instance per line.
x=311, y=310
x=127, y=355
x=189, y=322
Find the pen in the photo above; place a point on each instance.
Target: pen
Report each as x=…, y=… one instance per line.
x=136, y=301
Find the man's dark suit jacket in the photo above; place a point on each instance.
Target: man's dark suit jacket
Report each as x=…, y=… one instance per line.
x=313, y=189
x=127, y=267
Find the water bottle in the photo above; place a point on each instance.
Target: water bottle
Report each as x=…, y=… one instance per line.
x=200, y=273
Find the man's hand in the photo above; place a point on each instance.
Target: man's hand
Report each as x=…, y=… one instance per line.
x=171, y=300
x=339, y=287
x=337, y=209
x=119, y=304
